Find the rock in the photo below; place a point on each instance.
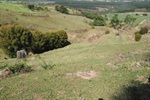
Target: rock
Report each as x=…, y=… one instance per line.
x=21, y=54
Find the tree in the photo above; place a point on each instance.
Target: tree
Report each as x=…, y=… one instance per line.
x=115, y=22
x=129, y=20
x=121, y=25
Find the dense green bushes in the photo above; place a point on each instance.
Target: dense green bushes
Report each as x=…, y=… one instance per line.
x=62, y=9
x=35, y=7
x=49, y=41
x=14, y=38
x=99, y=21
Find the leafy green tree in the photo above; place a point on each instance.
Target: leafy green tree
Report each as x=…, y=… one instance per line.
x=121, y=25
x=115, y=22
x=129, y=19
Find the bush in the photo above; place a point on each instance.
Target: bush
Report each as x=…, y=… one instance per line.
x=107, y=32
x=136, y=14
x=49, y=41
x=31, y=7
x=40, y=42
x=144, y=30
x=18, y=68
x=62, y=9
x=39, y=8
x=145, y=14
x=14, y=38
x=58, y=39
x=92, y=27
x=99, y=21
x=137, y=36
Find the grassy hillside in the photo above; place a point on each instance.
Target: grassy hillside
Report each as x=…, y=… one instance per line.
x=96, y=65
x=115, y=66
x=41, y=20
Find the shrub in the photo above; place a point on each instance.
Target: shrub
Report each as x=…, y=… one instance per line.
x=58, y=39
x=107, y=32
x=99, y=21
x=20, y=67
x=92, y=27
x=144, y=30
x=49, y=41
x=137, y=36
x=39, y=8
x=62, y=9
x=40, y=42
x=136, y=14
x=15, y=38
x=145, y=14
x=31, y=7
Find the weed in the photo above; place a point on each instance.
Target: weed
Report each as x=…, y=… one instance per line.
x=47, y=65
x=20, y=67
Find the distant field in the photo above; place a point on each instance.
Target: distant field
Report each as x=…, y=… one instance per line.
x=139, y=18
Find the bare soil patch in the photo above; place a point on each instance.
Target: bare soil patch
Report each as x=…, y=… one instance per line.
x=84, y=74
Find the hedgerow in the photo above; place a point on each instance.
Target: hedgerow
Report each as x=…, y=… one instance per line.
x=14, y=38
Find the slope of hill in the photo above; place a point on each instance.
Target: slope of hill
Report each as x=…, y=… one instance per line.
x=113, y=66
x=41, y=20
x=99, y=66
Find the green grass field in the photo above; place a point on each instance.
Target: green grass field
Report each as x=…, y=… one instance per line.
x=41, y=20
x=113, y=72
x=115, y=64
x=139, y=18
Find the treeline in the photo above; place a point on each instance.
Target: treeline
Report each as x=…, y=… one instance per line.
x=117, y=6
x=87, y=4
x=14, y=38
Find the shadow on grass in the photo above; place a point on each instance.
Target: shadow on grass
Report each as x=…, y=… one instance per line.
x=136, y=91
